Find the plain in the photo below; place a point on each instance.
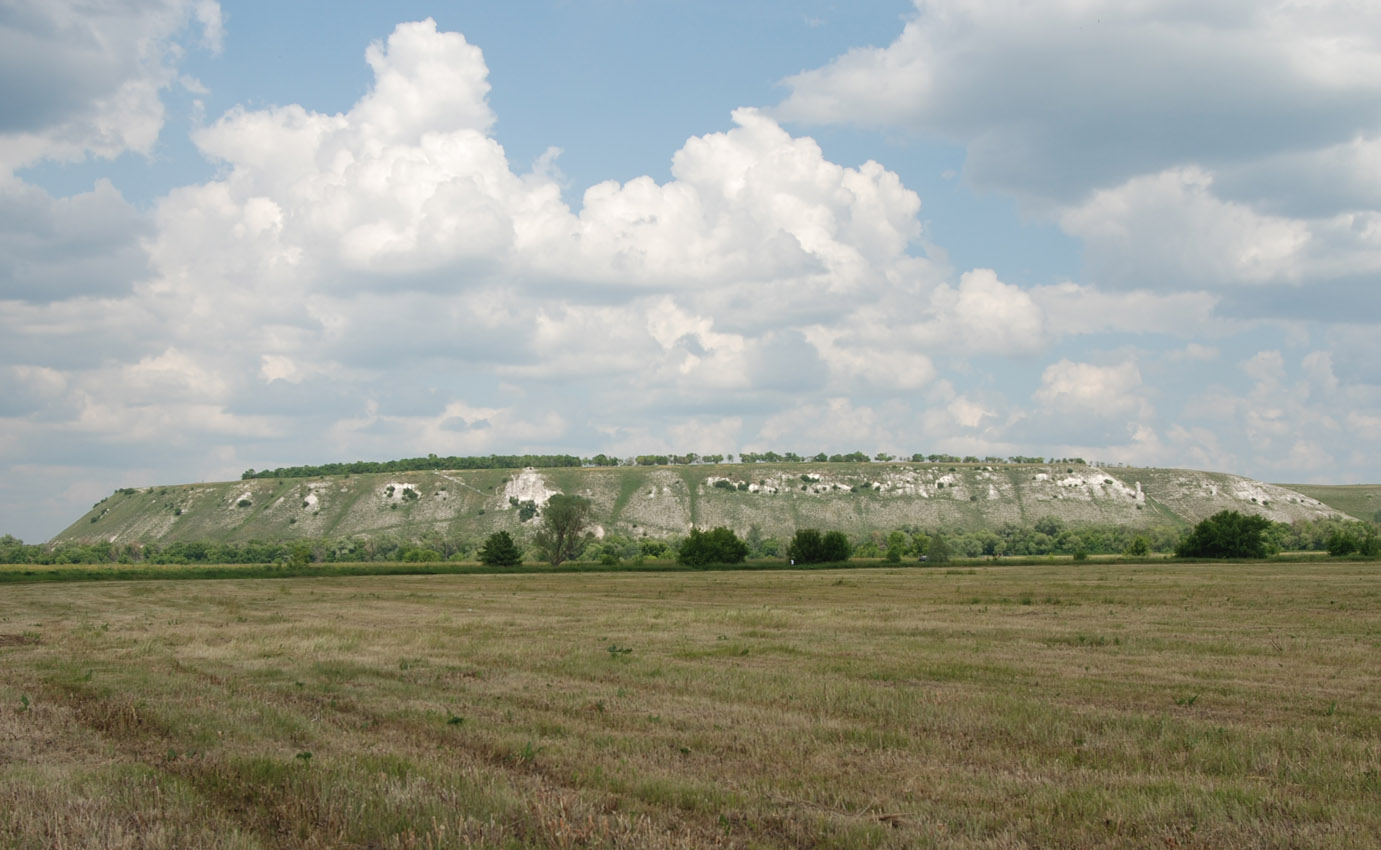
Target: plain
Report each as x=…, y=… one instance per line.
x=1160, y=704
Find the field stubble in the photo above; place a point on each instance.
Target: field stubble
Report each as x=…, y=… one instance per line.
x=1076, y=706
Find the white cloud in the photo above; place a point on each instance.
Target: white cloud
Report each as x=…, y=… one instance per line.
x=85, y=79
x=1072, y=309
x=1087, y=389
x=1168, y=231
x=1190, y=147
x=1195, y=351
x=1054, y=99
x=985, y=315
x=707, y=436
x=831, y=425
x=56, y=248
x=458, y=429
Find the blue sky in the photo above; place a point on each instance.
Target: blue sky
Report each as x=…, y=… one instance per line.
x=246, y=235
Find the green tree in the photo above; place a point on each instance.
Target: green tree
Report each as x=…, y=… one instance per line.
x=937, y=551
x=1226, y=534
x=1140, y=547
x=716, y=546
x=809, y=546
x=562, y=535
x=896, y=546
x=499, y=550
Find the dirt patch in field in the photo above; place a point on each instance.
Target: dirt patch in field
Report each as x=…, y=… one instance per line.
x=18, y=640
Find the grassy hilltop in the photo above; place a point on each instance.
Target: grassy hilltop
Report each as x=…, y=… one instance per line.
x=666, y=501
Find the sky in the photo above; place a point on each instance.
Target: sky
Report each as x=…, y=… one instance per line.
x=246, y=235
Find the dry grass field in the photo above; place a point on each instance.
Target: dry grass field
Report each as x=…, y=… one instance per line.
x=1156, y=705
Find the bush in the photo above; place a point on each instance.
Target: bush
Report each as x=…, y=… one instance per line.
x=717, y=546
x=499, y=550
x=809, y=546
x=1226, y=534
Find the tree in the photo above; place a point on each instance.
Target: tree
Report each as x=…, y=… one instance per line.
x=809, y=546
x=561, y=536
x=937, y=552
x=1226, y=534
x=1140, y=547
x=716, y=546
x=896, y=546
x=499, y=550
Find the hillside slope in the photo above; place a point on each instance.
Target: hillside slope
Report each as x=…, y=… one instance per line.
x=1361, y=501
x=668, y=501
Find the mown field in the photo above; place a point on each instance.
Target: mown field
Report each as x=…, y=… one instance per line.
x=1153, y=705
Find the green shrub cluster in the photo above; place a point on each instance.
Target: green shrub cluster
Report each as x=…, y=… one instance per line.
x=1227, y=534
x=716, y=546
x=809, y=546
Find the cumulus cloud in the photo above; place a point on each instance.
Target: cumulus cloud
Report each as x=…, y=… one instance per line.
x=1086, y=389
x=1055, y=99
x=85, y=79
x=57, y=248
x=985, y=315
x=1073, y=309
x=1188, y=146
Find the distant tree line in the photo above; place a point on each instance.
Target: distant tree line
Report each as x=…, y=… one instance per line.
x=415, y=464
x=1047, y=536
x=435, y=462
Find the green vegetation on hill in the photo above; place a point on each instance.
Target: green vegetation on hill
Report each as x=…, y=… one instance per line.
x=1362, y=501
x=1050, y=536
x=434, y=462
x=981, y=509
x=415, y=464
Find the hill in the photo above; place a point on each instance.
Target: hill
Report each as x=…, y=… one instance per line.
x=1361, y=501
x=667, y=501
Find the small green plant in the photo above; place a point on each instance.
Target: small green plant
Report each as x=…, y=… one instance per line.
x=455, y=720
x=615, y=650
x=304, y=757
x=1188, y=701
x=243, y=503
x=23, y=703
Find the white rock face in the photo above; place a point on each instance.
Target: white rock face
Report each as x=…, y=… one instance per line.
x=528, y=485
x=394, y=491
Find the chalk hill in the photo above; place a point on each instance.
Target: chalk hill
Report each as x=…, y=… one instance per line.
x=667, y=501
